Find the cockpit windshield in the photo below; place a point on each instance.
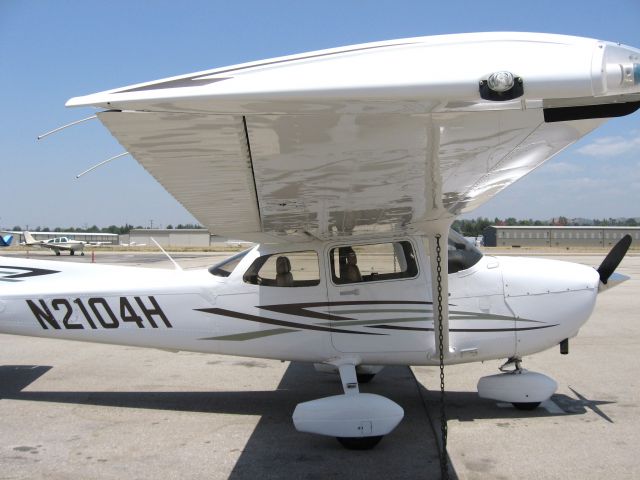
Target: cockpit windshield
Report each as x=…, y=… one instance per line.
x=225, y=267
x=462, y=254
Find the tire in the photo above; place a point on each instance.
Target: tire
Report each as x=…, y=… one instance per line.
x=526, y=405
x=72, y=252
x=57, y=252
x=359, y=443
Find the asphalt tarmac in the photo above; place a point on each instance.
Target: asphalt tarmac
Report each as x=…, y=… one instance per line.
x=79, y=410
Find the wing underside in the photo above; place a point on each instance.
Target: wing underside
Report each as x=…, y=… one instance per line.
x=330, y=175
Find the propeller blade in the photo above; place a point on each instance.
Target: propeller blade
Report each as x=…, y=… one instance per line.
x=613, y=259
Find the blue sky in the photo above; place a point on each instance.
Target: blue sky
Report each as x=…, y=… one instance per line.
x=51, y=51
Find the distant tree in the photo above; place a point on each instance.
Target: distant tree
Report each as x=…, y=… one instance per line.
x=484, y=224
x=185, y=226
x=472, y=227
x=169, y=227
x=46, y=229
x=110, y=229
x=126, y=228
x=17, y=228
x=57, y=229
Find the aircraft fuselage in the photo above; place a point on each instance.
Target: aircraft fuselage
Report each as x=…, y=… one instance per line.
x=500, y=307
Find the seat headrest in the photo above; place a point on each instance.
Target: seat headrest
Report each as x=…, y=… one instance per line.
x=283, y=265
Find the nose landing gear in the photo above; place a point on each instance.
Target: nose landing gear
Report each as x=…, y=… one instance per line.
x=522, y=388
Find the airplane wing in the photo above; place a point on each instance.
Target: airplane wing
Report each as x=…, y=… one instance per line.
x=54, y=246
x=383, y=137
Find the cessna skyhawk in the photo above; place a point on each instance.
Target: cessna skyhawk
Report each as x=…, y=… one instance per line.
x=348, y=166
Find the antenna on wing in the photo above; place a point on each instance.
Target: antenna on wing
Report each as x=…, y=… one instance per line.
x=40, y=137
x=101, y=163
x=178, y=267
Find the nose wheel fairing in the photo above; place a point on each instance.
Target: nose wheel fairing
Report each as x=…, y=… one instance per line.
x=523, y=388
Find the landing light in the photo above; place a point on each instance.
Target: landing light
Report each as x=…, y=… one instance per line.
x=500, y=81
x=501, y=86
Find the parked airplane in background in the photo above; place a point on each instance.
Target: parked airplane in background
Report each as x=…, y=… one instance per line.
x=5, y=240
x=133, y=244
x=58, y=244
x=349, y=166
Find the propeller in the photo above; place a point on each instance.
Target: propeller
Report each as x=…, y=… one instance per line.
x=613, y=259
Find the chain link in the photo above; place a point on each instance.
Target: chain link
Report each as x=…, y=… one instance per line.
x=444, y=467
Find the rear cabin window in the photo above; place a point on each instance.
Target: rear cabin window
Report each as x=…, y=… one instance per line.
x=372, y=263
x=290, y=269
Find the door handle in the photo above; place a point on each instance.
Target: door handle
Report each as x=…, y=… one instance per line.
x=355, y=291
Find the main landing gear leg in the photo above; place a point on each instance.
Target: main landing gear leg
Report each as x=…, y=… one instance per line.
x=522, y=388
x=349, y=379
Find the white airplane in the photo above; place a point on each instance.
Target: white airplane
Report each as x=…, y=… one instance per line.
x=133, y=244
x=57, y=244
x=348, y=166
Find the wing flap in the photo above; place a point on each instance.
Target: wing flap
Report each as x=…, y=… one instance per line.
x=202, y=160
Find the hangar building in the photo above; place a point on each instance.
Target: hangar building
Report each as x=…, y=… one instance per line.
x=546, y=236
x=188, y=237
x=184, y=237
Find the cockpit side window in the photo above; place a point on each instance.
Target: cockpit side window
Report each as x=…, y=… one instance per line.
x=462, y=254
x=373, y=262
x=289, y=269
x=224, y=268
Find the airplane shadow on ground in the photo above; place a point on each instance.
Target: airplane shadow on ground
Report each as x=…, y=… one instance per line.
x=275, y=446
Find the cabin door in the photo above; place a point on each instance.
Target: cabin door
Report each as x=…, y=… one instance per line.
x=379, y=297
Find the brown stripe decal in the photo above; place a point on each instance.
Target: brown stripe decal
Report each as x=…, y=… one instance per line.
x=418, y=329
x=300, y=309
x=200, y=79
x=282, y=323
